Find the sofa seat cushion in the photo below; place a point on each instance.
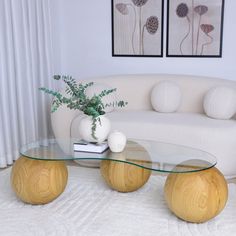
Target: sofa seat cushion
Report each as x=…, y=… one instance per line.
x=188, y=129
x=174, y=119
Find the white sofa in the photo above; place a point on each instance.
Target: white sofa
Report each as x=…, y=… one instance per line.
x=189, y=126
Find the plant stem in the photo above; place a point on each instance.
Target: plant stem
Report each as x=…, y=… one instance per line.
x=192, y=25
x=135, y=22
x=93, y=128
x=198, y=30
x=143, y=39
x=203, y=45
x=140, y=30
x=180, y=46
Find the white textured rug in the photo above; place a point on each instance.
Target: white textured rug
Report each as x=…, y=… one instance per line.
x=88, y=207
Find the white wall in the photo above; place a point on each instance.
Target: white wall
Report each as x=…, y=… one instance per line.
x=85, y=34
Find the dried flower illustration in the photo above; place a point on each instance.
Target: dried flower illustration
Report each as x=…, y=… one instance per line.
x=123, y=9
x=195, y=15
x=201, y=10
x=139, y=3
x=207, y=28
x=182, y=11
x=192, y=26
x=151, y=26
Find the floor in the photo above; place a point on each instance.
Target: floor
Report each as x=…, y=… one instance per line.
x=87, y=197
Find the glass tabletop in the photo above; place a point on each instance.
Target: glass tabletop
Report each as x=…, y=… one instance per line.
x=157, y=156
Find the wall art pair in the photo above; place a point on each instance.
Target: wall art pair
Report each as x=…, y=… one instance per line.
x=194, y=28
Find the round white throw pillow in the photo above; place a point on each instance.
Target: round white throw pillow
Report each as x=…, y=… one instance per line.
x=220, y=102
x=97, y=88
x=166, y=96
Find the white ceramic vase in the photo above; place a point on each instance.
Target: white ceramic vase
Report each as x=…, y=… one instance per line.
x=116, y=141
x=102, y=129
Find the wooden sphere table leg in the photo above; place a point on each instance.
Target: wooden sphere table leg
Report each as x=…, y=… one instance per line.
x=124, y=177
x=197, y=196
x=37, y=181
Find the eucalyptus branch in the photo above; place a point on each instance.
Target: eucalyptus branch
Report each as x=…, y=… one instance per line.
x=118, y=104
x=78, y=100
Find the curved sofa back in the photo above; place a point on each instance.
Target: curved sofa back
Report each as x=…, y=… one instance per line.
x=136, y=89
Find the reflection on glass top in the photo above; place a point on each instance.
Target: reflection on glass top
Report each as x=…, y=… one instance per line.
x=151, y=155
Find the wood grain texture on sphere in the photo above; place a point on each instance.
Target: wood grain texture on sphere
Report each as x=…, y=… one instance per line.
x=38, y=182
x=125, y=177
x=198, y=196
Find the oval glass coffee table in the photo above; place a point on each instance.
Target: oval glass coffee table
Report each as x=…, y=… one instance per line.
x=195, y=190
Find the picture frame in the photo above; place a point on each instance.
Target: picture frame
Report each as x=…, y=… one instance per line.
x=137, y=28
x=194, y=28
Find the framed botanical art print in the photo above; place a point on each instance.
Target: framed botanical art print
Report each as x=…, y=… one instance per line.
x=137, y=28
x=194, y=28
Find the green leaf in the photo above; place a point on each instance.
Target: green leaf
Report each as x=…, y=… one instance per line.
x=77, y=99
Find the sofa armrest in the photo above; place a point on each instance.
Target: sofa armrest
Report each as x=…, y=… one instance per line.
x=61, y=121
